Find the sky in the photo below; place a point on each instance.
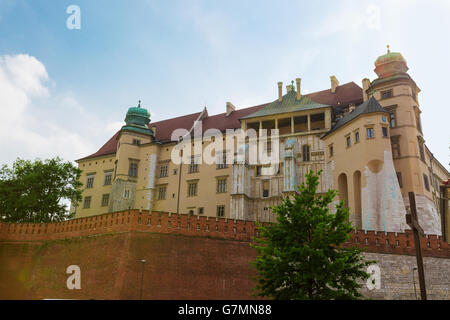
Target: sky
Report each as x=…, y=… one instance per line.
x=65, y=92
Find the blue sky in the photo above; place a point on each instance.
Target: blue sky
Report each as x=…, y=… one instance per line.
x=65, y=92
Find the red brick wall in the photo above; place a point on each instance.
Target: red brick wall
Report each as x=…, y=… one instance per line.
x=187, y=257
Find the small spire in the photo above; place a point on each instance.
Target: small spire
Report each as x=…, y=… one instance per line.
x=139, y=104
x=292, y=83
x=389, y=51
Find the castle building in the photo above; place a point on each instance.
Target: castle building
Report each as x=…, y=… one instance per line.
x=367, y=141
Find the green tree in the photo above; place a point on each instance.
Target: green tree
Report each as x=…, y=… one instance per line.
x=300, y=256
x=34, y=191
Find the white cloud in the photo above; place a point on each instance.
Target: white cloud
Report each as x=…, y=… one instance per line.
x=26, y=130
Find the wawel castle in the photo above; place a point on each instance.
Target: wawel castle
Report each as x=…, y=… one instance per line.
x=368, y=142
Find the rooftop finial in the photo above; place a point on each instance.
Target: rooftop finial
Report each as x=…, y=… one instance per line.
x=389, y=51
x=139, y=104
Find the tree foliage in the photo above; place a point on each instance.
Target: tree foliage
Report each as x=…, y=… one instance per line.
x=300, y=256
x=32, y=191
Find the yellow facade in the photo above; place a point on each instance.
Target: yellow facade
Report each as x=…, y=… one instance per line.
x=372, y=152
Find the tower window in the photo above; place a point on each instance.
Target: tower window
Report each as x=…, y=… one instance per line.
x=133, y=169
x=395, y=144
x=421, y=151
x=426, y=182
x=384, y=130
x=126, y=193
x=331, y=151
x=349, y=141
x=356, y=136
x=399, y=178
x=370, y=133
x=386, y=94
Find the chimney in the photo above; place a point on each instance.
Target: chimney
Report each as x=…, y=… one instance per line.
x=299, y=94
x=334, y=83
x=280, y=91
x=351, y=107
x=365, y=86
x=154, y=130
x=230, y=108
x=289, y=88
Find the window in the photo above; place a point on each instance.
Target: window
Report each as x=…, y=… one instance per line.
x=349, y=141
x=105, y=200
x=306, y=154
x=331, y=151
x=164, y=170
x=126, y=194
x=221, y=211
x=395, y=144
x=175, y=171
x=258, y=171
x=356, y=136
x=399, y=178
x=200, y=210
x=108, y=178
x=90, y=182
x=133, y=169
x=393, y=119
x=426, y=183
x=222, y=161
x=191, y=212
x=421, y=151
x=192, y=189
x=162, y=193
x=222, y=185
x=265, y=186
x=386, y=94
x=193, y=167
x=370, y=133
x=384, y=131
x=87, y=202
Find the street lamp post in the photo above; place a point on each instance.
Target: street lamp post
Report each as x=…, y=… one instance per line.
x=414, y=281
x=142, y=278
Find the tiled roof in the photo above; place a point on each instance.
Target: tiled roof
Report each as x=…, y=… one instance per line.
x=369, y=106
x=344, y=95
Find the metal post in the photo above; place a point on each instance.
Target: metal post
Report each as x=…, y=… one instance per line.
x=142, y=278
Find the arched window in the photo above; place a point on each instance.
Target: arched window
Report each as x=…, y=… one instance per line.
x=343, y=188
x=306, y=153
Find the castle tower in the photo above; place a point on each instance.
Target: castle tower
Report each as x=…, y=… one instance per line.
x=397, y=92
x=128, y=168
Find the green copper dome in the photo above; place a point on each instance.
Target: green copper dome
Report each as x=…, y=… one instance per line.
x=390, y=57
x=137, y=119
x=390, y=64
